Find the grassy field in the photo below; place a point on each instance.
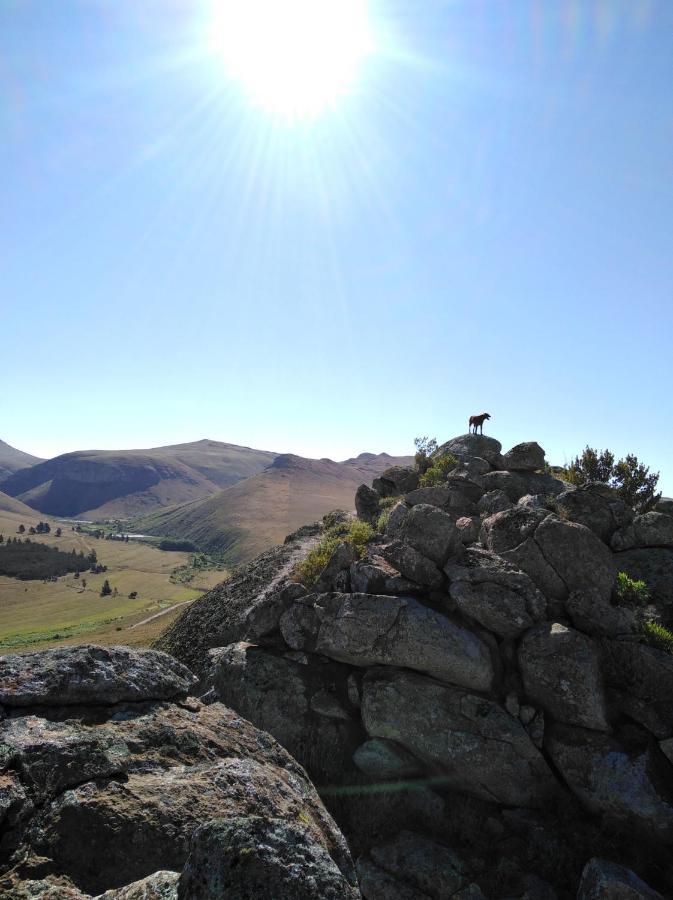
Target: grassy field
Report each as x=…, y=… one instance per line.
x=35, y=615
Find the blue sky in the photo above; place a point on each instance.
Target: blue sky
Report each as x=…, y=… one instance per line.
x=485, y=222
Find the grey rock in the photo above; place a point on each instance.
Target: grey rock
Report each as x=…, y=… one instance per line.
x=377, y=884
x=88, y=674
x=652, y=529
x=654, y=566
x=629, y=788
x=161, y=885
x=479, y=747
x=395, y=481
x=367, y=630
x=456, y=496
x=591, y=612
x=375, y=575
x=595, y=505
x=468, y=528
x=435, y=870
x=664, y=505
x=382, y=759
x=411, y=564
x=494, y=502
x=533, y=501
x=604, y=880
x=259, y=618
x=561, y=673
x=265, y=858
x=527, y=456
x=511, y=484
x=367, y=504
x=497, y=595
x=467, y=446
x=342, y=558
x=641, y=672
x=429, y=530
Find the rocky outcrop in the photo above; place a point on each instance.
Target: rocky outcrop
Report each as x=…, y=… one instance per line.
x=468, y=446
x=395, y=481
x=102, y=794
x=526, y=457
x=652, y=529
x=597, y=506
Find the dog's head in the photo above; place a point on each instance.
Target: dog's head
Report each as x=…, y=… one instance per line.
x=487, y=415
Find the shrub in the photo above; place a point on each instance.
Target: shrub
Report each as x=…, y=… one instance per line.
x=425, y=447
x=354, y=531
x=387, y=502
x=438, y=471
x=631, y=478
x=133, y=595
x=658, y=636
x=630, y=592
x=335, y=518
x=106, y=590
x=184, y=545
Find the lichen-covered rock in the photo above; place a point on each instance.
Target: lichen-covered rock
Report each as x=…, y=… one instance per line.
x=73, y=676
x=375, y=575
x=429, y=530
x=395, y=481
x=411, y=564
x=481, y=750
x=561, y=673
x=494, y=502
x=264, y=858
x=495, y=594
x=652, y=529
x=468, y=528
x=526, y=457
x=604, y=880
x=367, y=630
x=597, y=506
x=467, y=446
x=630, y=788
x=158, y=886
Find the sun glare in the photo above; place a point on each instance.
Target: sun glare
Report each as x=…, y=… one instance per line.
x=292, y=57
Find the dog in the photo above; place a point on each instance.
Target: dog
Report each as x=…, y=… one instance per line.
x=478, y=422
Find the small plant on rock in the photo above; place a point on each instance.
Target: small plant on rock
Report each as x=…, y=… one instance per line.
x=658, y=636
x=353, y=531
x=438, y=472
x=630, y=592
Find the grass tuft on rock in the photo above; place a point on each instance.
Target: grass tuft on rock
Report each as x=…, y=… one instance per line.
x=353, y=531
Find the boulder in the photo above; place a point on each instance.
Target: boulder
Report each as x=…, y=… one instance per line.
x=377, y=884
x=395, y=481
x=631, y=789
x=411, y=564
x=332, y=576
x=604, y=880
x=642, y=673
x=511, y=484
x=481, y=750
x=468, y=528
x=375, y=575
x=533, y=501
x=525, y=457
x=158, y=886
x=467, y=446
x=429, y=530
x=263, y=858
x=74, y=676
x=664, y=505
x=431, y=868
x=494, y=502
x=381, y=760
x=456, y=496
x=368, y=630
x=592, y=613
x=494, y=593
x=652, y=529
x=305, y=706
x=367, y=504
x=561, y=673
x=654, y=566
x=595, y=505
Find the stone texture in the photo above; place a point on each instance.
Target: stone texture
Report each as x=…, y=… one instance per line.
x=604, y=880
x=592, y=613
x=467, y=446
x=366, y=630
x=642, y=673
x=340, y=561
x=468, y=528
x=457, y=496
x=412, y=565
x=511, y=484
x=652, y=529
x=395, y=481
x=595, y=505
x=72, y=676
x=429, y=530
x=158, y=886
x=560, y=668
x=375, y=575
x=494, y=502
x=435, y=870
x=263, y=858
x=367, y=503
x=631, y=789
x=480, y=748
x=527, y=456
x=382, y=760
x=377, y=884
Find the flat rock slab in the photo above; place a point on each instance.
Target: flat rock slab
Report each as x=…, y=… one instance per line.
x=371, y=629
x=91, y=675
x=481, y=749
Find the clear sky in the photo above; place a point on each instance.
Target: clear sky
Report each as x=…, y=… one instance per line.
x=481, y=219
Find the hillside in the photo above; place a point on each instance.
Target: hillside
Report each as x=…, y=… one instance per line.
x=12, y=505
x=99, y=484
x=12, y=460
x=257, y=513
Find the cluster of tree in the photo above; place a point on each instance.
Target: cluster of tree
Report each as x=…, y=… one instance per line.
x=631, y=479
x=28, y=560
x=106, y=590
x=117, y=537
x=186, y=546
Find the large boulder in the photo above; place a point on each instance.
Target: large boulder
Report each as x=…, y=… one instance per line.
x=367, y=504
x=369, y=630
x=654, y=566
x=652, y=529
x=411, y=564
x=591, y=612
x=494, y=502
x=519, y=484
x=494, y=593
x=630, y=788
x=559, y=556
x=109, y=793
x=395, y=481
x=260, y=857
x=525, y=457
x=456, y=496
x=375, y=575
x=595, y=505
x=75, y=676
x=604, y=880
x=642, y=673
x=479, y=748
x=467, y=446
x=429, y=530
x=303, y=702
x=561, y=673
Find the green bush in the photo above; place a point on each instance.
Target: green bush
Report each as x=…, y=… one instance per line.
x=353, y=531
x=438, y=471
x=425, y=447
x=630, y=592
x=630, y=478
x=658, y=636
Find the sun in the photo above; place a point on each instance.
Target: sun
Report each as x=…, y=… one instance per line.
x=295, y=58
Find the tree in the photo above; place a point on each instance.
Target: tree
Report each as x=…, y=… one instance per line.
x=106, y=590
x=58, y=532
x=22, y=529
x=629, y=477
x=425, y=447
